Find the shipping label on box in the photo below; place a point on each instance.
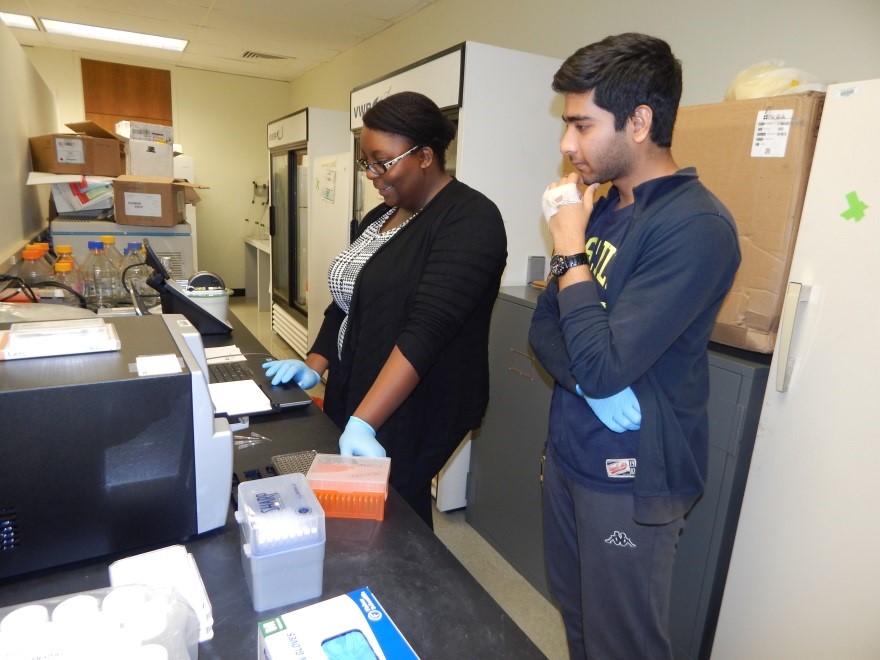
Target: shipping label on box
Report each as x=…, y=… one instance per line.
x=354, y=625
x=755, y=156
x=772, y=130
x=70, y=150
x=148, y=205
x=139, y=130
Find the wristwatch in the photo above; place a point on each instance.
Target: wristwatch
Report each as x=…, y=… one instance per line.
x=559, y=264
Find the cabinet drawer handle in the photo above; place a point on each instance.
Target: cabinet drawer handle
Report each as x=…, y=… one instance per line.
x=521, y=364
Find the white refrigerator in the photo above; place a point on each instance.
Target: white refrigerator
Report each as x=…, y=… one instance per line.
x=804, y=577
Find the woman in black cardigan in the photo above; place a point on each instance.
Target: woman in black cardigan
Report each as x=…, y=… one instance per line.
x=405, y=341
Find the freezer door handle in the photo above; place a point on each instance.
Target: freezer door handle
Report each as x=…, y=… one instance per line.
x=795, y=294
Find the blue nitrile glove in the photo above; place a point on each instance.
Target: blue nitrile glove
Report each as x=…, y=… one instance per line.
x=619, y=412
x=288, y=370
x=359, y=439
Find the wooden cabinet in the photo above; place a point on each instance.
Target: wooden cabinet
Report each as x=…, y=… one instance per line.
x=115, y=92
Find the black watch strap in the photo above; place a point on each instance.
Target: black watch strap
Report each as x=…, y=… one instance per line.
x=560, y=264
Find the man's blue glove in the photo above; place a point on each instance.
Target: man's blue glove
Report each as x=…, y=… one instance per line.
x=286, y=370
x=619, y=412
x=359, y=439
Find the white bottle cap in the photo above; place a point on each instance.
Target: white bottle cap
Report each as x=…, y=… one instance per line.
x=76, y=609
x=25, y=618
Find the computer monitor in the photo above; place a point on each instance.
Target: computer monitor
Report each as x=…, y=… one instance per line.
x=175, y=301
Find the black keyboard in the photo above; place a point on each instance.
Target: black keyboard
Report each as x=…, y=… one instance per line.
x=225, y=372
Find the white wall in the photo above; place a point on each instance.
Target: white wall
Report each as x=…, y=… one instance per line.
x=26, y=108
x=220, y=120
x=715, y=39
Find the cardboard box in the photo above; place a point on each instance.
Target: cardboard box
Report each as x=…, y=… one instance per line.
x=151, y=201
x=755, y=155
x=147, y=158
x=354, y=625
x=89, y=151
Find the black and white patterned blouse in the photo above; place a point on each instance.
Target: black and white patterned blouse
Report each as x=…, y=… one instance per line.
x=344, y=269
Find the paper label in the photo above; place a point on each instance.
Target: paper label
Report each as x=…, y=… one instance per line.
x=157, y=365
x=238, y=397
x=772, y=129
x=70, y=151
x=145, y=204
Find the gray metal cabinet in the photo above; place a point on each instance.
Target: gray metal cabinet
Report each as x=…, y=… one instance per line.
x=737, y=380
x=504, y=488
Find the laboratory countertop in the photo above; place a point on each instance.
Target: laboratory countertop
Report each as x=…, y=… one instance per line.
x=437, y=605
x=260, y=243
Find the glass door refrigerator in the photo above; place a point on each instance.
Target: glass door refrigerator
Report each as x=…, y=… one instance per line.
x=294, y=142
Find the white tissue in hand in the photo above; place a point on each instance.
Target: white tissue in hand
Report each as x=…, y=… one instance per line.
x=553, y=198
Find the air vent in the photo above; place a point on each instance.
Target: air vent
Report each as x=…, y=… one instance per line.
x=253, y=55
x=9, y=538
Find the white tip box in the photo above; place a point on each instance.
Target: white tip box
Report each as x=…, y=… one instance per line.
x=283, y=536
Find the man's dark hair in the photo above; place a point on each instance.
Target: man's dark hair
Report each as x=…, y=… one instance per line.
x=623, y=72
x=416, y=117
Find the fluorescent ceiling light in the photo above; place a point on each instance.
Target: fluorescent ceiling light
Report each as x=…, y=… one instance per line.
x=18, y=21
x=106, y=34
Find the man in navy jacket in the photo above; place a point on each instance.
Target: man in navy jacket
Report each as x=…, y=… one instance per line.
x=623, y=328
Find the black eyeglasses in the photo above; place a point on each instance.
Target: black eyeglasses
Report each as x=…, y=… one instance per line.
x=380, y=168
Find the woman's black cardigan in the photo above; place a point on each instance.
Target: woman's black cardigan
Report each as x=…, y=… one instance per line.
x=430, y=292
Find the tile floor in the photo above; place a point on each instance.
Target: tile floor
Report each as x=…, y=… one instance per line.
x=523, y=603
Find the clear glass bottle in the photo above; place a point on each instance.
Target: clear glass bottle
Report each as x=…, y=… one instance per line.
x=45, y=252
x=33, y=267
x=111, y=250
x=100, y=277
x=134, y=271
x=64, y=252
x=65, y=274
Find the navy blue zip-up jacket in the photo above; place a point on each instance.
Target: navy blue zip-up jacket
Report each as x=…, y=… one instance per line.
x=666, y=283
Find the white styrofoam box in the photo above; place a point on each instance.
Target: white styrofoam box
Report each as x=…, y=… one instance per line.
x=184, y=168
x=148, y=158
x=168, y=568
x=127, y=621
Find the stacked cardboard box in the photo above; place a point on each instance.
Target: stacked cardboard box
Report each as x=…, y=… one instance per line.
x=755, y=155
x=148, y=148
x=139, y=155
x=152, y=201
x=89, y=151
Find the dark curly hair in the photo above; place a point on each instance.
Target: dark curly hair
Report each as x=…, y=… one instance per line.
x=623, y=72
x=416, y=117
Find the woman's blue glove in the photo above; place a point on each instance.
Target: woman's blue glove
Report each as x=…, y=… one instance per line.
x=286, y=370
x=619, y=412
x=359, y=439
